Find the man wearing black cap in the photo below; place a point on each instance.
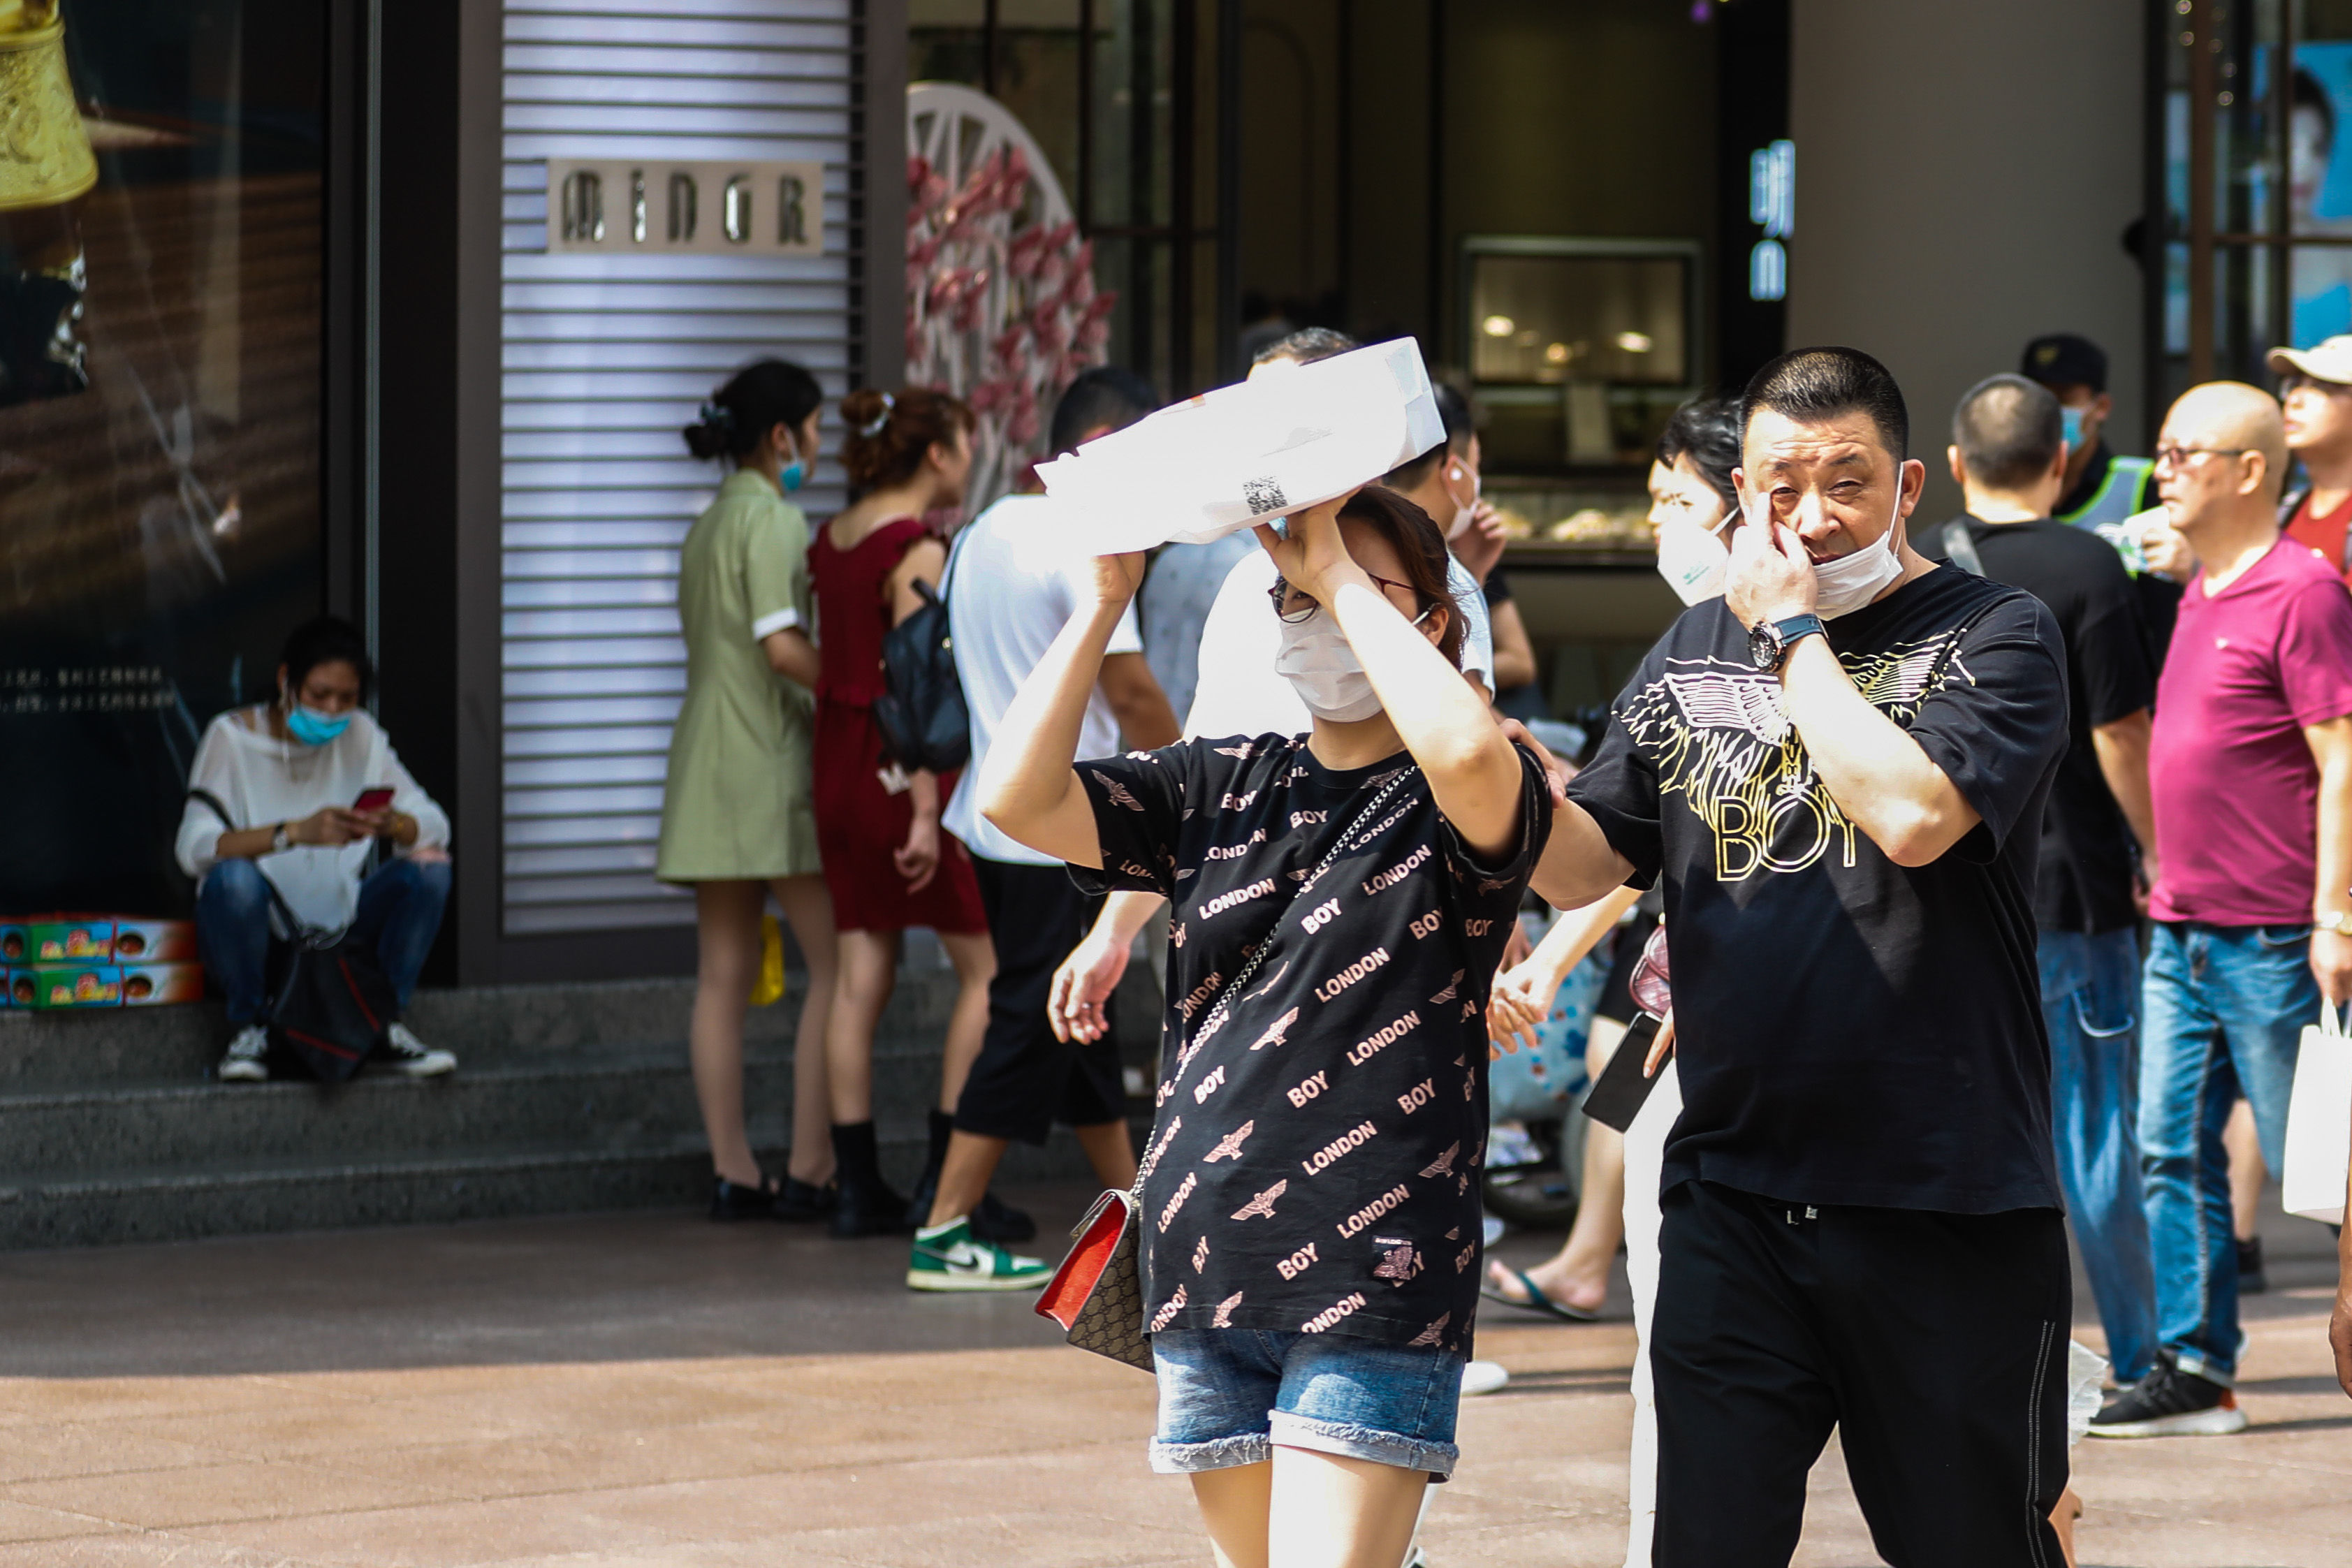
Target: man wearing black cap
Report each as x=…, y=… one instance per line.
x=2101, y=487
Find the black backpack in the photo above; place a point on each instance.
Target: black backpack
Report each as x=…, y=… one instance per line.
x=921, y=711
x=329, y=1004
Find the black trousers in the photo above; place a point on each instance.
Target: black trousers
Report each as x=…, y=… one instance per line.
x=1024, y=1080
x=1936, y=1343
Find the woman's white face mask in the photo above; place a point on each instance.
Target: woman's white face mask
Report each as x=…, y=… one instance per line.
x=1321, y=667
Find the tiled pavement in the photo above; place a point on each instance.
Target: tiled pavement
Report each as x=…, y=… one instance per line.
x=649, y=1390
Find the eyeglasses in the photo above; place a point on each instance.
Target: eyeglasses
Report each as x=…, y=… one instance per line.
x=2179, y=456
x=1295, y=611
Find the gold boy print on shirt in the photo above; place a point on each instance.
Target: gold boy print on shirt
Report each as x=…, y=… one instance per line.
x=1722, y=737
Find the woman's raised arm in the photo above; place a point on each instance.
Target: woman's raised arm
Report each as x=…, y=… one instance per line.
x=1027, y=790
x=1473, y=771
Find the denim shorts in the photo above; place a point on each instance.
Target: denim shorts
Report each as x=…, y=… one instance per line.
x=1228, y=1395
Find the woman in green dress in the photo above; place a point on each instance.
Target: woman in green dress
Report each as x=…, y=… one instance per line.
x=737, y=823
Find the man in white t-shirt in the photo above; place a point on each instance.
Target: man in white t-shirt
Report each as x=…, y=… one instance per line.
x=1012, y=586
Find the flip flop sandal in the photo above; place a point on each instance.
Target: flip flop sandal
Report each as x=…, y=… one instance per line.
x=1536, y=1301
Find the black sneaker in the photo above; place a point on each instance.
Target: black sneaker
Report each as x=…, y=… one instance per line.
x=801, y=1203
x=2169, y=1403
x=2252, y=1280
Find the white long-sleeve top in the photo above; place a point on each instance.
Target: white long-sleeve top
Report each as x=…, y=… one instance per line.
x=264, y=780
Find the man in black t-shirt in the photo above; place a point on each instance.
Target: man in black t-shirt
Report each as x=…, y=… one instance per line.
x=1862, y=1223
x=2008, y=453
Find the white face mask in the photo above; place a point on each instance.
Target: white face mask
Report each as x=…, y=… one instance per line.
x=1465, y=510
x=1324, y=671
x=1693, y=557
x=1850, y=581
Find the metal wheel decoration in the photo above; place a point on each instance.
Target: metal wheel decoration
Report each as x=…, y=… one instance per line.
x=1001, y=308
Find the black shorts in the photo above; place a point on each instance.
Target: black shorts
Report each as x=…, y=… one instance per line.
x=1936, y=1344
x=1024, y=1080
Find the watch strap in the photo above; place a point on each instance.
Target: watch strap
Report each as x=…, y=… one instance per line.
x=1796, y=626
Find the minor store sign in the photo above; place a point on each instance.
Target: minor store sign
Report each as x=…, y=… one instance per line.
x=765, y=208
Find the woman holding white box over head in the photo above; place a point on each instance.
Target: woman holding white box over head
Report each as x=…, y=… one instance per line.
x=1310, y=1212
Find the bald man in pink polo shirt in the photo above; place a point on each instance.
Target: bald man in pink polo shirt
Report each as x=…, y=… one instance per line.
x=2251, y=772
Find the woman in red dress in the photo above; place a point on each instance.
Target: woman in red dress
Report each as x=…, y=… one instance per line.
x=886, y=862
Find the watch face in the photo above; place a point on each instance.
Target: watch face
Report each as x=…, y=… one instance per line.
x=1764, y=648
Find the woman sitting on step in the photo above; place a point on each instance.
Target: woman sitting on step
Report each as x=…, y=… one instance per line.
x=310, y=783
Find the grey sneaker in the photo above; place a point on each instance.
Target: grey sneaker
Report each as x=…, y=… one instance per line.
x=245, y=1061
x=416, y=1057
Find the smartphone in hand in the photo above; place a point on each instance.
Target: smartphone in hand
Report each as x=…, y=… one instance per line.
x=373, y=801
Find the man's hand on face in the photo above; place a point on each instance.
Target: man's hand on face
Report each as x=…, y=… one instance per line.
x=1770, y=577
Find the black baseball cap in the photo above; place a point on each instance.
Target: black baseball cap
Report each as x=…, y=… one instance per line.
x=2065, y=360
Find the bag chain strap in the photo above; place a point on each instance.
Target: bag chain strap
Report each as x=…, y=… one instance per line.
x=1214, y=1020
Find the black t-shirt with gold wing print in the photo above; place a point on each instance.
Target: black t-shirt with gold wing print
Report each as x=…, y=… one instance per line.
x=1314, y=1164
x=1849, y=1030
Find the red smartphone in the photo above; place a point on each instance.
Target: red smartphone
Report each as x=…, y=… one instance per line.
x=373, y=801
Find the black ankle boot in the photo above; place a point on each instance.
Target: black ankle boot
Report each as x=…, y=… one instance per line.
x=866, y=1206
x=918, y=1203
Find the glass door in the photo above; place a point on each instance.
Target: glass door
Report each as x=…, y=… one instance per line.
x=2256, y=211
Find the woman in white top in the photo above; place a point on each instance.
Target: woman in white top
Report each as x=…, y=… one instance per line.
x=291, y=774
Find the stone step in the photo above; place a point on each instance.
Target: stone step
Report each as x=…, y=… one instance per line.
x=221, y=1197
x=608, y=1096
x=566, y=1098
x=127, y=1045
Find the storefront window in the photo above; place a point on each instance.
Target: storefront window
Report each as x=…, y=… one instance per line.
x=1104, y=87
x=160, y=380
x=2257, y=210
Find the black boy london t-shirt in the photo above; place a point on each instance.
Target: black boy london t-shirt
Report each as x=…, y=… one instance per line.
x=1849, y=1030
x=1314, y=1164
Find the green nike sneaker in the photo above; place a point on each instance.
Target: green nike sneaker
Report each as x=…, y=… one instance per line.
x=946, y=1257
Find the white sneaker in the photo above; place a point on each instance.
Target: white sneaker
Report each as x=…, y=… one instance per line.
x=414, y=1057
x=1483, y=1377
x=245, y=1061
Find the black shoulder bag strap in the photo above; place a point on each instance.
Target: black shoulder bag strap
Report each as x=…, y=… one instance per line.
x=1214, y=1018
x=1961, y=547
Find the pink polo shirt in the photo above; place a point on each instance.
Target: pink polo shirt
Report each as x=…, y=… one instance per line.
x=2236, y=790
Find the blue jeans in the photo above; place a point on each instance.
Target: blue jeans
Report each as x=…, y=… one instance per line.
x=2090, y=1003
x=1228, y=1395
x=2224, y=1008
x=399, y=912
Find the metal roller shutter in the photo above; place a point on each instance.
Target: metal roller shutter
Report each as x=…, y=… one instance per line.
x=603, y=358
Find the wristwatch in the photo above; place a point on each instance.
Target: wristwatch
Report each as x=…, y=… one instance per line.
x=2340, y=923
x=1769, y=640
x=281, y=840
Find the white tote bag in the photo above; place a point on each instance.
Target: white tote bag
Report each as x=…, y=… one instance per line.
x=1266, y=447
x=2319, y=1123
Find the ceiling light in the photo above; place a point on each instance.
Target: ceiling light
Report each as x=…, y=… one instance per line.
x=1499, y=325
x=1634, y=342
